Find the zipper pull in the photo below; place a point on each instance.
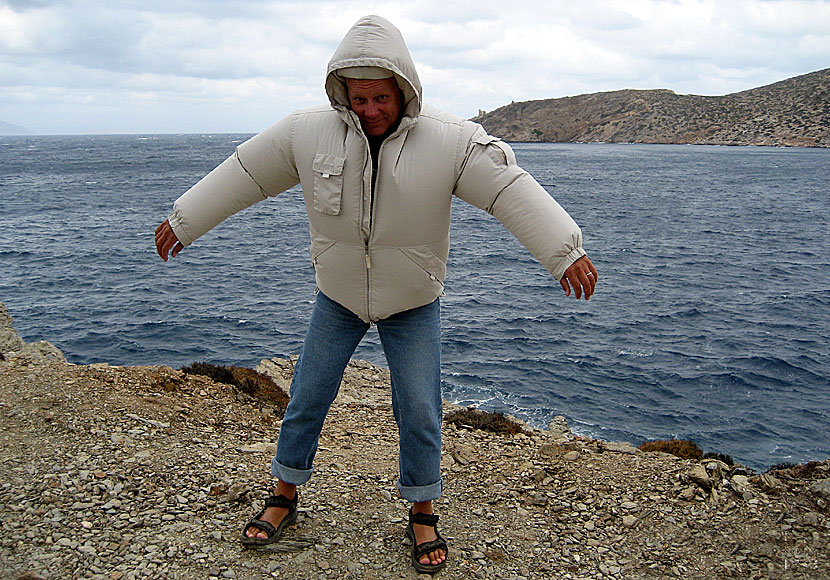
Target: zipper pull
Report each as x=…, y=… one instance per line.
x=368, y=260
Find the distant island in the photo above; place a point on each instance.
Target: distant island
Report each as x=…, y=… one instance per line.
x=9, y=129
x=790, y=113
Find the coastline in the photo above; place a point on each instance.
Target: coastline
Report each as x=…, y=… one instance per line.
x=146, y=472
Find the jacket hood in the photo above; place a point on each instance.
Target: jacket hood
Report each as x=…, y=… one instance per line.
x=374, y=41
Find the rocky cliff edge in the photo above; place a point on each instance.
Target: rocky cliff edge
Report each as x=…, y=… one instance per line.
x=118, y=473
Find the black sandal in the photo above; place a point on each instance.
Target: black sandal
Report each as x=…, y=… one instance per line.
x=419, y=550
x=273, y=533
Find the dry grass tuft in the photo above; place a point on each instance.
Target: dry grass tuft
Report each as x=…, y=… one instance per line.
x=808, y=471
x=484, y=420
x=246, y=380
x=679, y=447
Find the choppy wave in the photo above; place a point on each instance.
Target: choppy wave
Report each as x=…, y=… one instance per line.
x=711, y=321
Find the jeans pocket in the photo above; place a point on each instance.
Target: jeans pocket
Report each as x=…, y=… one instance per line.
x=328, y=183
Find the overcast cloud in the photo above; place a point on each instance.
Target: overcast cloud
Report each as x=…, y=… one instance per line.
x=176, y=66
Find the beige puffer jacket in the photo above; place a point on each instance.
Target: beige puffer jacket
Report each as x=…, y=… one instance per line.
x=393, y=258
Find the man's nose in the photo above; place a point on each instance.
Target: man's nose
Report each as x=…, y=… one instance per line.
x=371, y=110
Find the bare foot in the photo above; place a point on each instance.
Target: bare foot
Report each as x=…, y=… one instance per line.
x=274, y=515
x=426, y=534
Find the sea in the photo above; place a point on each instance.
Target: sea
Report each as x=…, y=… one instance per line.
x=711, y=320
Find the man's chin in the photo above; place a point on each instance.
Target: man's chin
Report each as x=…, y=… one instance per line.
x=374, y=130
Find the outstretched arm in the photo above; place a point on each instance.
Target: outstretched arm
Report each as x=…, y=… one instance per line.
x=166, y=241
x=582, y=277
x=491, y=180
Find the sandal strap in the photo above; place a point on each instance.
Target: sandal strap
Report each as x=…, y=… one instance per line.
x=266, y=527
x=281, y=501
x=423, y=519
x=432, y=546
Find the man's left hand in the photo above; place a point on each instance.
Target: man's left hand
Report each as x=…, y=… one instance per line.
x=581, y=276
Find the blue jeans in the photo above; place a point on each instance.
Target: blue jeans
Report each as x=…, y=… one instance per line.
x=412, y=344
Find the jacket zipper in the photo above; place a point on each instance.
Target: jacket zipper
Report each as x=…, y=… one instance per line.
x=366, y=255
x=371, y=208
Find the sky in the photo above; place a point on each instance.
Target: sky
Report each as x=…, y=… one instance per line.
x=237, y=66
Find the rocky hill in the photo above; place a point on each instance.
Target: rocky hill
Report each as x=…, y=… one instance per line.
x=793, y=113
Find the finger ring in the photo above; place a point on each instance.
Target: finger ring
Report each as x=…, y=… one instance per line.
x=589, y=274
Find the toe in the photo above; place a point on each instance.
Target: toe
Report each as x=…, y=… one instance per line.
x=256, y=533
x=433, y=558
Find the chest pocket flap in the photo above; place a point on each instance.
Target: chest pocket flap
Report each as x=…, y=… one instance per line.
x=328, y=183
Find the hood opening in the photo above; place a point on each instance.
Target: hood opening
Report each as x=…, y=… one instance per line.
x=374, y=42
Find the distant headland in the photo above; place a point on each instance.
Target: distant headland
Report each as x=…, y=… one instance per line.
x=790, y=113
x=10, y=129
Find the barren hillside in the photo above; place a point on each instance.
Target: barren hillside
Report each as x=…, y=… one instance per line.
x=794, y=113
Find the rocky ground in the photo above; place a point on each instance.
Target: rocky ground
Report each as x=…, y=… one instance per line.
x=145, y=472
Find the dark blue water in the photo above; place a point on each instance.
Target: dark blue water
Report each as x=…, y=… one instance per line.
x=711, y=321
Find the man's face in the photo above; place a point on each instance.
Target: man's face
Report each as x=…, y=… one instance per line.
x=376, y=102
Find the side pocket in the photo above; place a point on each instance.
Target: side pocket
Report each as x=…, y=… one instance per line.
x=431, y=264
x=318, y=248
x=328, y=183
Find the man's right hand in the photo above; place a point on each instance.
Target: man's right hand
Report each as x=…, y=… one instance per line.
x=166, y=240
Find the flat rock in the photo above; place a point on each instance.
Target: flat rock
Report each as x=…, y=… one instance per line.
x=621, y=447
x=262, y=447
x=821, y=488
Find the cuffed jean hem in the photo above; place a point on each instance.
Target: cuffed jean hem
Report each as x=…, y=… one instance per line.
x=288, y=474
x=415, y=493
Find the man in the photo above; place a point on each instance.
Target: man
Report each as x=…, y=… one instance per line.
x=378, y=171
